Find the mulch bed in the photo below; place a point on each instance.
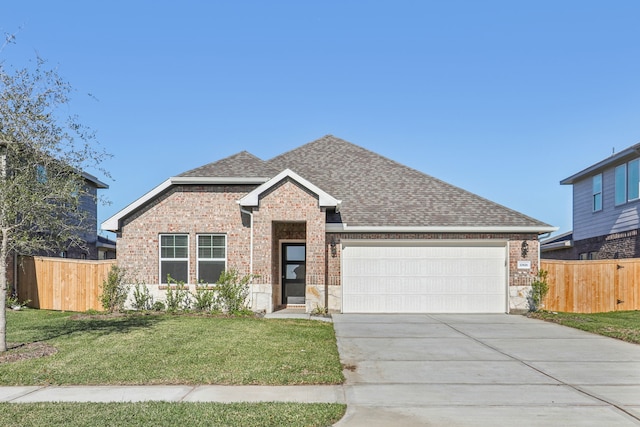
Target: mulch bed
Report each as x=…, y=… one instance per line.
x=18, y=352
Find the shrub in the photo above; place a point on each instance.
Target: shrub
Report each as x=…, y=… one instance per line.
x=142, y=299
x=12, y=301
x=539, y=289
x=158, y=306
x=114, y=290
x=204, y=299
x=232, y=292
x=178, y=296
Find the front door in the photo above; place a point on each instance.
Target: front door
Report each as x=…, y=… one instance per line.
x=294, y=256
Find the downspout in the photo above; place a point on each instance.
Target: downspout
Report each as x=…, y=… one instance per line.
x=250, y=249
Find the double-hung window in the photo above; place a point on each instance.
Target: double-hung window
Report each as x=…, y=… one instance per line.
x=212, y=257
x=597, y=193
x=627, y=180
x=174, y=257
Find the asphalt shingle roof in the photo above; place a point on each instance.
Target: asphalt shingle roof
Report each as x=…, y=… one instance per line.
x=375, y=191
x=243, y=164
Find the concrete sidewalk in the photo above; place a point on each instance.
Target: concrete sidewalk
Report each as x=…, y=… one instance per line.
x=177, y=393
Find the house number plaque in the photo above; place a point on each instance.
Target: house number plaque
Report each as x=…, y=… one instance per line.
x=524, y=265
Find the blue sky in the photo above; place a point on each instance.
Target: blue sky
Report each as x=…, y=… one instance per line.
x=501, y=98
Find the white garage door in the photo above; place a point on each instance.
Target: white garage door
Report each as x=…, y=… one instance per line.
x=400, y=277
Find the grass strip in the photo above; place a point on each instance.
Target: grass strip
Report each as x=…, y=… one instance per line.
x=623, y=325
x=166, y=414
x=171, y=349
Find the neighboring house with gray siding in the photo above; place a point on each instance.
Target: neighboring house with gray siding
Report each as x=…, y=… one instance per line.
x=332, y=225
x=606, y=211
x=93, y=244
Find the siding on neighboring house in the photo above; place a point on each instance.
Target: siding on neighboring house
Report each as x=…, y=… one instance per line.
x=611, y=219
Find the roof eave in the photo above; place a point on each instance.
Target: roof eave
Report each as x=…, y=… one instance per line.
x=94, y=180
x=631, y=151
x=344, y=228
x=113, y=223
x=547, y=247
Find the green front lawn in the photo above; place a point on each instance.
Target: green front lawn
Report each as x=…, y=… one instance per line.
x=167, y=349
x=624, y=325
x=170, y=414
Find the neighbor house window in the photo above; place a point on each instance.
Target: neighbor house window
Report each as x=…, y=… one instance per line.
x=41, y=174
x=597, y=193
x=627, y=181
x=212, y=257
x=174, y=257
x=633, y=180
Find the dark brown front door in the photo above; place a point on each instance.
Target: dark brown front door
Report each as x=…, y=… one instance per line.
x=294, y=256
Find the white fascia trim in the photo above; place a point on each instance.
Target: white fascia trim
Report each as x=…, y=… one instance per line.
x=195, y=180
x=113, y=223
x=544, y=247
x=556, y=237
x=344, y=228
x=324, y=199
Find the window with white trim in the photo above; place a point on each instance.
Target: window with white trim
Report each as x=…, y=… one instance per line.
x=633, y=180
x=212, y=257
x=597, y=193
x=174, y=257
x=627, y=181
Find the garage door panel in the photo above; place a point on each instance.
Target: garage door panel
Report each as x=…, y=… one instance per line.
x=414, y=279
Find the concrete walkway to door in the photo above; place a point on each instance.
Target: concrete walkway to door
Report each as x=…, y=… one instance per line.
x=484, y=370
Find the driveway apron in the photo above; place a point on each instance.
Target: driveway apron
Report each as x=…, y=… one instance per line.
x=484, y=370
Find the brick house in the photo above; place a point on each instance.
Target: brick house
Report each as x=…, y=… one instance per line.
x=331, y=224
x=606, y=211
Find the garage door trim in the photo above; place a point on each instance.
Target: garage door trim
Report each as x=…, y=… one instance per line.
x=501, y=273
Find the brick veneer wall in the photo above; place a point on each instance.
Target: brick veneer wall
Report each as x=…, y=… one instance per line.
x=191, y=210
x=612, y=246
x=286, y=212
x=514, y=240
x=561, y=254
x=288, y=202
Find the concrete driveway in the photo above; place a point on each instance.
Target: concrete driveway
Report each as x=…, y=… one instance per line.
x=484, y=370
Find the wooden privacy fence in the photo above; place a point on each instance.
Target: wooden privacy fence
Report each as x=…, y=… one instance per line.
x=592, y=286
x=61, y=283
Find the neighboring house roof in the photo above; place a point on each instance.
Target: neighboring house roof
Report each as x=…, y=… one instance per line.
x=612, y=160
x=105, y=242
x=376, y=193
x=95, y=181
x=561, y=241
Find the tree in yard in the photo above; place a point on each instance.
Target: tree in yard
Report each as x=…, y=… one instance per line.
x=42, y=159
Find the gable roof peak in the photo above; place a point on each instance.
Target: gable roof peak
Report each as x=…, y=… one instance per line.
x=242, y=164
x=324, y=199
